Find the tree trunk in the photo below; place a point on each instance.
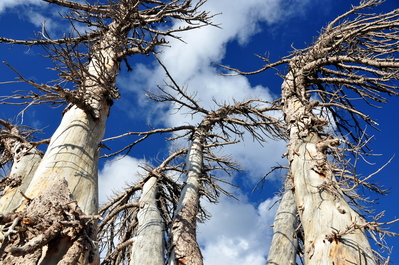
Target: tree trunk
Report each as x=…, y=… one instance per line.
x=72, y=155
x=23, y=168
x=325, y=215
x=284, y=244
x=185, y=249
x=25, y=162
x=148, y=246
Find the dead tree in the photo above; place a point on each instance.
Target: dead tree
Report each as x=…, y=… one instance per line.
x=355, y=53
x=89, y=62
x=179, y=203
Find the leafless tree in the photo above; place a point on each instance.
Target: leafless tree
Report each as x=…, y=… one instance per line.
x=49, y=205
x=356, y=54
x=174, y=207
x=55, y=223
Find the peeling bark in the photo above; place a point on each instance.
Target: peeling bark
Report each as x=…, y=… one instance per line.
x=48, y=231
x=325, y=215
x=148, y=243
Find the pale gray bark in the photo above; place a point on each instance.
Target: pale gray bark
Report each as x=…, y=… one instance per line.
x=185, y=247
x=284, y=245
x=148, y=245
x=72, y=155
x=23, y=168
x=324, y=213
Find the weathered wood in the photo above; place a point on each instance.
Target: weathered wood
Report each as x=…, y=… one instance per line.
x=284, y=244
x=148, y=246
x=185, y=249
x=72, y=155
x=23, y=168
x=324, y=212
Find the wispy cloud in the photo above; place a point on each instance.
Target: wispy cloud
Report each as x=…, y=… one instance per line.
x=4, y=4
x=116, y=173
x=191, y=65
x=238, y=234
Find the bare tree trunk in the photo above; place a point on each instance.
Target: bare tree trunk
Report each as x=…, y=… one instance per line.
x=185, y=247
x=23, y=168
x=333, y=233
x=284, y=245
x=332, y=230
x=73, y=156
x=26, y=159
x=148, y=246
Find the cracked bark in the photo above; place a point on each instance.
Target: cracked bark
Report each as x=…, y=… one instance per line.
x=322, y=212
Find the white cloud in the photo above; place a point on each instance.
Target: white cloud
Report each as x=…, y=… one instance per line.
x=116, y=173
x=39, y=20
x=13, y=3
x=237, y=233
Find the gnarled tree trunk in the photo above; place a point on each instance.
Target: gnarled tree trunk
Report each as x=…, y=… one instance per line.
x=332, y=230
x=72, y=155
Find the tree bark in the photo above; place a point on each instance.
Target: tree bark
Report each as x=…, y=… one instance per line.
x=284, y=244
x=73, y=155
x=148, y=246
x=25, y=162
x=325, y=215
x=22, y=170
x=185, y=249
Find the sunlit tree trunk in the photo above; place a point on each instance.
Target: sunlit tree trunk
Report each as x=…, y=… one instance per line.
x=332, y=230
x=24, y=165
x=284, y=244
x=148, y=245
x=185, y=247
x=72, y=154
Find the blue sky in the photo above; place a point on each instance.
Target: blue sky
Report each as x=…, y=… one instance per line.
x=239, y=231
